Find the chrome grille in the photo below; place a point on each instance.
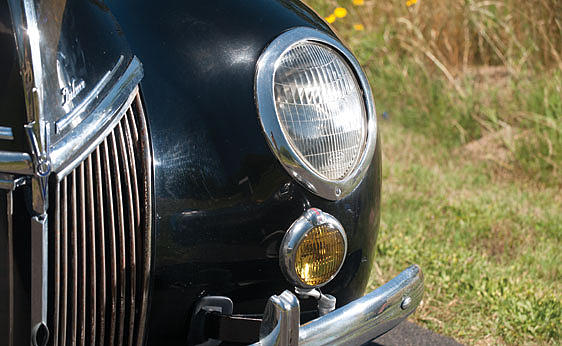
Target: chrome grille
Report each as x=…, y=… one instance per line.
x=100, y=250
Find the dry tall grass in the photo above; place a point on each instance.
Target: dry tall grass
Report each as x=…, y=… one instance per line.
x=456, y=34
x=502, y=61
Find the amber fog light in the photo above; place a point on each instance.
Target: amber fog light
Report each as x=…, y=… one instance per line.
x=313, y=249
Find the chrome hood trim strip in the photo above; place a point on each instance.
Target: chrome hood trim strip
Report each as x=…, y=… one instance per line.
x=65, y=155
x=77, y=114
x=6, y=133
x=16, y=163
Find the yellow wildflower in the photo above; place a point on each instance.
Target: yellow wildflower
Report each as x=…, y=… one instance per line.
x=340, y=12
x=358, y=2
x=330, y=19
x=358, y=27
x=411, y=2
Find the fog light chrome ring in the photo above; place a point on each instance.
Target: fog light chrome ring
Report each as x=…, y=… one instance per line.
x=312, y=219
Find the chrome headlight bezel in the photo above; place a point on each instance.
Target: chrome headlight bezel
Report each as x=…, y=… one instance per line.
x=276, y=137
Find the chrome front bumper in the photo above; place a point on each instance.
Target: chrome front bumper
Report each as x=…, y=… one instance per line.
x=355, y=323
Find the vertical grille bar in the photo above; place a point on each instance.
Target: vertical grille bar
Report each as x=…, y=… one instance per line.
x=92, y=251
x=82, y=256
x=57, y=270
x=145, y=156
x=10, y=212
x=74, y=261
x=120, y=237
x=125, y=164
x=100, y=244
x=103, y=239
x=112, y=246
x=132, y=167
x=64, y=261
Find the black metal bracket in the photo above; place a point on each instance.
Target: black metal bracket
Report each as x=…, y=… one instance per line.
x=238, y=329
x=213, y=323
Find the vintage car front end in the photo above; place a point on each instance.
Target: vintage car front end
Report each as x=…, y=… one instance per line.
x=187, y=173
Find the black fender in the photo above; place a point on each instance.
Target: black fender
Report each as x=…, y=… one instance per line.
x=223, y=201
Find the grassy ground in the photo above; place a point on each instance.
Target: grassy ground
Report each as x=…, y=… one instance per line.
x=489, y=244
x=472, y=143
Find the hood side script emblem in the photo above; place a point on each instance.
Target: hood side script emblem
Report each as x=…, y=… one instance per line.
x=70, y=92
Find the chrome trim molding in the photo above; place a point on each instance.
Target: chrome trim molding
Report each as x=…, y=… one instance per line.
x=39, y=196
x=91, y=131
x=311, y=218
x=29, y=52
x=277, y=140
x=39, y=273
x=65, y=155
x=6, y=133
x=28, y=45
x=44, y=156
x=10, y=182
x=10, y=213
x=353, y=324
x=78, y=113
x=16, y=163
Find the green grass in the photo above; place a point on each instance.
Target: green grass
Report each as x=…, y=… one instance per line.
x=489, y=246
x=472, y=159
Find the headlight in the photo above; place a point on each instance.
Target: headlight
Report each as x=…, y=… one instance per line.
x=320, y=107
x=313, y=249
x=316, y=110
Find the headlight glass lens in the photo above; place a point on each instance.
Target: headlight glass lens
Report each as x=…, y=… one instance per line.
x=320, y=107
x=319, y=255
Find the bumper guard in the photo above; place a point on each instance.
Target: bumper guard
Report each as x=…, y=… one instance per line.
x=355, y=323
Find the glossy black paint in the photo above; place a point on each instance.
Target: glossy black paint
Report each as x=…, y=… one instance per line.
x=223, y=202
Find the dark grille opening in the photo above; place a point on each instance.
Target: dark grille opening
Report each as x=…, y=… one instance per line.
x=15, y=268
x=100, y=246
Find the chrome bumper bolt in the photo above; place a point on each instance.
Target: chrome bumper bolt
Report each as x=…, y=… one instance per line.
x=406, y=301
